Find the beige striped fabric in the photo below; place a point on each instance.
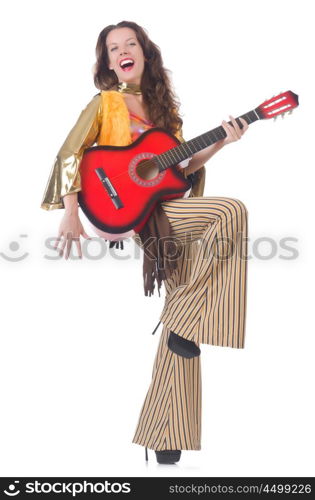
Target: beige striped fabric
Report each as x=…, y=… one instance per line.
x=205, y=302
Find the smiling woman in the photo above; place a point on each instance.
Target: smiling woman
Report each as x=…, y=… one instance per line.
x=205, y=295
x=155, y=99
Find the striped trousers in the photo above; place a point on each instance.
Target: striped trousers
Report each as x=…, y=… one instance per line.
x=205, y=302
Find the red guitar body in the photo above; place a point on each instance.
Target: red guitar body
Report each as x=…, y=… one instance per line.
x=130, y=190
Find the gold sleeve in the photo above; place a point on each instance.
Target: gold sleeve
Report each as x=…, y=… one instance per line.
x=64, y=176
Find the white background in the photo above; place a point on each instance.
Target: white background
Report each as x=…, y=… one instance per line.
x=76, y=344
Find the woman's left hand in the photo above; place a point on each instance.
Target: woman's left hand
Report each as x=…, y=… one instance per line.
x=234, y=132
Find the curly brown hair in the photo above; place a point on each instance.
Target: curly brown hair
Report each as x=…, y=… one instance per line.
x=158, y=97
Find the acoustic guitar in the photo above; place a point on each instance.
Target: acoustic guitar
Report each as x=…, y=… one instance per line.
x=121, y=185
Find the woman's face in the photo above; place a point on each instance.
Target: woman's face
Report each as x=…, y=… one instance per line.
x=122, y=44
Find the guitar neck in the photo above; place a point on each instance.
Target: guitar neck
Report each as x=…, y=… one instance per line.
x=187, y=149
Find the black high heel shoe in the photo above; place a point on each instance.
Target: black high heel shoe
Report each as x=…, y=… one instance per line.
x=165, y=456
x=182, y=347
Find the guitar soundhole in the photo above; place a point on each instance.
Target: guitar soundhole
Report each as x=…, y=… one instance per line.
x=147, y=170
x=144, y=171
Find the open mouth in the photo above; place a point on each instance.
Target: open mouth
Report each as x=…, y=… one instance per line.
x=127, y=64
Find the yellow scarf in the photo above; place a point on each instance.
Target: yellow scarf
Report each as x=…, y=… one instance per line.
x=115, y=128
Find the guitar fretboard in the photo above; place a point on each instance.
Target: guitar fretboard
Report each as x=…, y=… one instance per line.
x=186, y=149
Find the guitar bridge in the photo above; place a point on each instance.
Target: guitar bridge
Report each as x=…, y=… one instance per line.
x=111, y=191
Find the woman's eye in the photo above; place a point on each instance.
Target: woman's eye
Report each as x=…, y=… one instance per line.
x=114, y=48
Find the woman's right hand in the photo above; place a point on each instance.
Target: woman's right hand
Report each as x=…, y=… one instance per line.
x=70, y=229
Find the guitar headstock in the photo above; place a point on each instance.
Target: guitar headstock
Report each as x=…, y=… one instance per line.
x=278, y=105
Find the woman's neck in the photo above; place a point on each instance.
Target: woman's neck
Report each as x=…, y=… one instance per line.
x=133, y=97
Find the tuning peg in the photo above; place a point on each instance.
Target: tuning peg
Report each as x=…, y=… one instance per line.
x=282, y=115
x=275, y=117
x=290, y=112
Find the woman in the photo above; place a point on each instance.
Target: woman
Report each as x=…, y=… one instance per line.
x=205, y=294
